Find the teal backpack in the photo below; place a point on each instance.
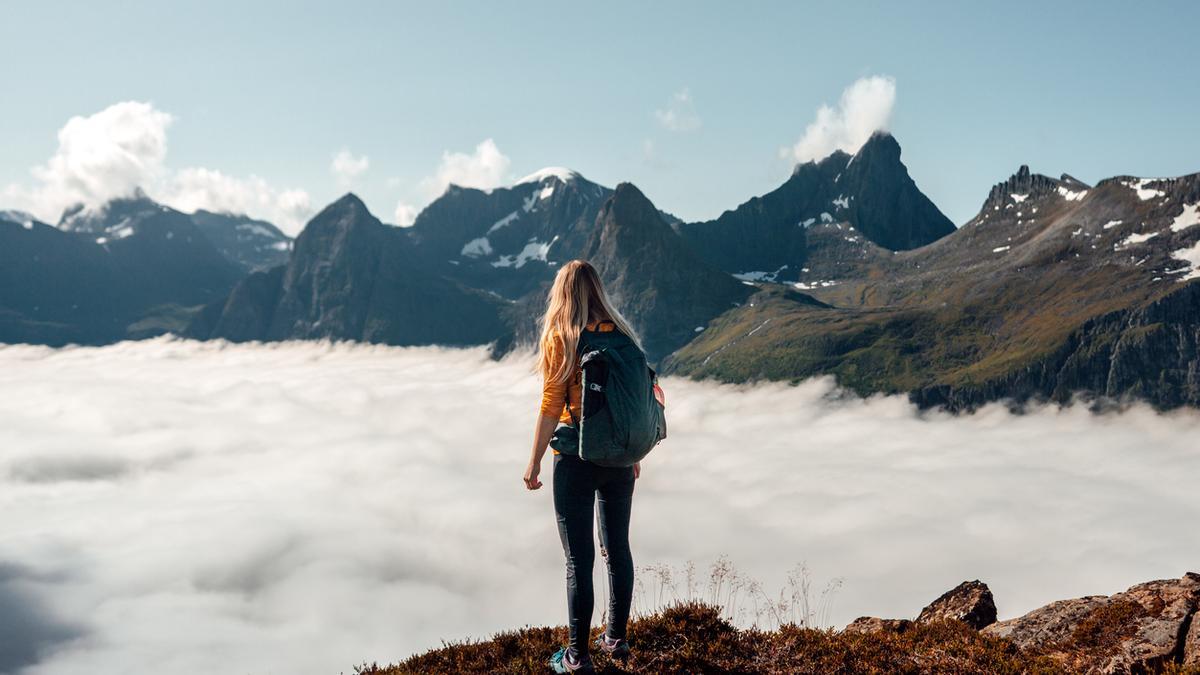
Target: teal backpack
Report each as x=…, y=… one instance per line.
x=621, y=420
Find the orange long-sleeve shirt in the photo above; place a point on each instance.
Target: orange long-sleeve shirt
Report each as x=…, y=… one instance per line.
x=554, y=394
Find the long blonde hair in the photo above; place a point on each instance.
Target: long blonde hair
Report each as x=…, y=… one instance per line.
x=576, y=297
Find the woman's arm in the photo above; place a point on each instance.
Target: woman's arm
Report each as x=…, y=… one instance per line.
x=541, y=438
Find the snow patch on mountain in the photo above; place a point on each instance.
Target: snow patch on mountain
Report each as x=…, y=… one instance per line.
x=534, y=250
x=1144, y=193
x=1137, y=239
x=256, y=229
x=1071, y=195
x=477, y=248
x=813, y=285
x=121, y=230
x=760, y=276
x=561, y=173
x=1019, y=198
x=1191, y=256
x=1189, y=217
x=504, y=222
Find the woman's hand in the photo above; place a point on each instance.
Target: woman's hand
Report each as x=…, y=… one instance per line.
x=637, y=470
x=531, y=475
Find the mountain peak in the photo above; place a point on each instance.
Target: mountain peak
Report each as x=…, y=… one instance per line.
x=627, y=204
x=348, y=202
x=84, y=218
x=881, y=144
x=1024, y=184
x=561, y=173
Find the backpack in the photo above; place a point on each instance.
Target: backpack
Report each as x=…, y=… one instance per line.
x=621, y=420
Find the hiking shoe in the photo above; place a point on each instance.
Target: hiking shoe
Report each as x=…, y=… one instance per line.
x=565, y=660
x=616, y=649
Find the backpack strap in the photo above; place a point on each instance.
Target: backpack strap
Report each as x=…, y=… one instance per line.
x=579, y=352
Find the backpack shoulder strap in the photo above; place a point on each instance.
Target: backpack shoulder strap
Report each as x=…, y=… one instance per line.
x=580, y=350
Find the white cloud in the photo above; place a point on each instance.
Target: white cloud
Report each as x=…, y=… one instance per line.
x=405, y=214
x=680, y=113
x=865, y=107
x=486, y=168
x=110, y=153
x=305, y=506
x=198, y=188
x=99, y=157
x=346, y=167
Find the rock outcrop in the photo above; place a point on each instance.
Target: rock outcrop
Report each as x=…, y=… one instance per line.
x=1149, y=628
x=970, y=602
x=874, y=624
x=1141, y=630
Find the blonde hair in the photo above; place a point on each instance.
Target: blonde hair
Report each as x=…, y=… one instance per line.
x=576, y=297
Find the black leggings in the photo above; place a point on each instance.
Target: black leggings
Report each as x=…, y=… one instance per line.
x=576, y=483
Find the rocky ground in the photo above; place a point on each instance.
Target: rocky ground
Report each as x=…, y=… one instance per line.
x=1146, y=629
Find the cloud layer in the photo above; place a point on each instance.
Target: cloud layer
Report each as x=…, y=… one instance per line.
x=302, y=507
x=865, y=107
x=110, y=153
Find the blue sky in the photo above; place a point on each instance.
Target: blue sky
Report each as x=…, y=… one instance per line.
x=273, y=90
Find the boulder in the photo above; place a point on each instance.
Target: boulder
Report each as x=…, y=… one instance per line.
x=874, y=624
x=970, y=602
x=1159, y=635
x=1191, y=644
x=1047, y=625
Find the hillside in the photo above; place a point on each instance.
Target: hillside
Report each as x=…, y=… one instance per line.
x=1147, y=629
x=1054, y=288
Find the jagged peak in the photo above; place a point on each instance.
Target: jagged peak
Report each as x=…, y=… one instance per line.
x=1072, y=181
x=350, y=199
x=628, y=193
x=347, y=204
x=88, y=216
x=1024, y=185
x=628, y=204
x=880, y=143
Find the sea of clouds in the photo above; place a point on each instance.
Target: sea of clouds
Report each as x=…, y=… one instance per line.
x=195, y=507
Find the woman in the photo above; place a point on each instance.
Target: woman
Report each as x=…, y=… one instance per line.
x=578, y=302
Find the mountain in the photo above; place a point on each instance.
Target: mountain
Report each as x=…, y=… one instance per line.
x=509, y=240
x=57, y=287
x=167, y=257
x=768, y=237
x=351, y=277
x=1054, y=288
x=661, y=285
x=251, y=244
x=130, y=268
